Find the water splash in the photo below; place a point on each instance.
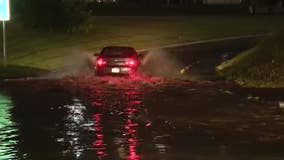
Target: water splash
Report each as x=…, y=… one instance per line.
x=160, y=63
x=78, y=63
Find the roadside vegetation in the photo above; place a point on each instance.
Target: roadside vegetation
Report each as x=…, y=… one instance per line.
x=51, y=15
x=261, y=66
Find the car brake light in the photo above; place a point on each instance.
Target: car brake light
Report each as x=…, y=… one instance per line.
x=131, y=63
x=101, y=62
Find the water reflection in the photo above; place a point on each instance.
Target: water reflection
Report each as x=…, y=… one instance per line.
x=119, y=111
x=99, y=144
x=74, y=124
x=115, y=122
x=111, y=122
x=131, y=141
x=131, y=133
x=8, y=130
x=122, y=114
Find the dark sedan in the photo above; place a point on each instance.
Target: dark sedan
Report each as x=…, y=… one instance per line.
x=116, y=60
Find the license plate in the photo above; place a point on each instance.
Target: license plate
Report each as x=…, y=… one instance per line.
x=115, y=70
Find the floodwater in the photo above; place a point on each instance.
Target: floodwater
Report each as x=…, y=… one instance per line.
x=193, y=117
x=142, y=118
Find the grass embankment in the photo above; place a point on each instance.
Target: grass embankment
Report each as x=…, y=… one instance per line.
x=262, y=66
x=49, y=50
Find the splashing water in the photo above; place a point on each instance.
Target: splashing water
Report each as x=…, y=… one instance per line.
x=160, y=63
x=78, y=63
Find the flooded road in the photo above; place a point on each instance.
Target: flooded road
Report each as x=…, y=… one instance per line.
x=196, y=116
x=142, y=118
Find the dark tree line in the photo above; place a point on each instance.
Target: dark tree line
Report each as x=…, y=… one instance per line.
x=73, y=15
x=197, y=2
x=51, y=14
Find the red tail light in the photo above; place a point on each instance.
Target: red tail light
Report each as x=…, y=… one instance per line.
x=131, y=63
x=100, y=62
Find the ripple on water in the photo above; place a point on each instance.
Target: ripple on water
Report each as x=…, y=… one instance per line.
x=8, y=130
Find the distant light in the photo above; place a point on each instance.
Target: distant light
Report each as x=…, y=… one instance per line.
x=281, y=104
x=106, y=1
x=4, y=10
x=148, y=124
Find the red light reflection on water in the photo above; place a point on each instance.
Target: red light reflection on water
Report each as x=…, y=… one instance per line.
x=131, y=131
x=131, y=127
x=99, y=144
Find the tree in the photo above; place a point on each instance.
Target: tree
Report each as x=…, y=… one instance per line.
x=52, y=14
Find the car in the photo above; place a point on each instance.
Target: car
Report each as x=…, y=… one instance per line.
x=117, y=60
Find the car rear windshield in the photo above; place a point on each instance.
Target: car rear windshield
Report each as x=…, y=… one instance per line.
x=119, y=52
